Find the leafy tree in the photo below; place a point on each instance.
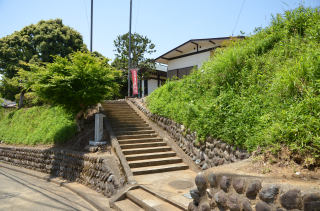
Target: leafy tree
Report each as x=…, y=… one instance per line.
x=242, y=33
x=35, y=44
x=257, y=29
x=74, y=83
x=140, y=45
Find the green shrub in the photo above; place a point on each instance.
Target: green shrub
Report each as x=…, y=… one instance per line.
x=263, y=90
x=30, y=99
x=37, y=125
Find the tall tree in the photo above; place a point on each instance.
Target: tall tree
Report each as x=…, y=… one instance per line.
x=35, y=44
x=140, y=45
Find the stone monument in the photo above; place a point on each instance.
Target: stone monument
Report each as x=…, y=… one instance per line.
x=98, y=130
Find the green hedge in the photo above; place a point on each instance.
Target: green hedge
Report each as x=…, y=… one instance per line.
x=263, y=90
x=37, y=125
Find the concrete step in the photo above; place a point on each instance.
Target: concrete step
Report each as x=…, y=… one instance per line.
x=122, y=137
x=149, y=202
x=115, y=115
x=142, y=145
x=132, y=116
x=127, y=121
x=124, y=110
x=122, y=113
x=134, y=132
x=118, y=111
x=150, y=156
x=115, y=104
x=130, y=129
x=145, y=150
x=159, y=169
x=113, y=101
x=124, y=118
x=142, y=140
x=123, y=125
x=114, y=111
x=117, y=108
x=126, y=205
x=154, y=162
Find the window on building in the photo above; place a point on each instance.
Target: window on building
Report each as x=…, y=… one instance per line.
x=179, y=72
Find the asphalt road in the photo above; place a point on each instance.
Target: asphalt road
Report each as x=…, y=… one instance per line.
x=22, y=192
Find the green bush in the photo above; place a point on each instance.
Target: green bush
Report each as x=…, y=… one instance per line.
x=263, y=90
x=30, y=99
x=37, y=125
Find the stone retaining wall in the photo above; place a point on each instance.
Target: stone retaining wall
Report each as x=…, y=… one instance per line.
x=74, y=166
x=212, y=152
x=219, y=192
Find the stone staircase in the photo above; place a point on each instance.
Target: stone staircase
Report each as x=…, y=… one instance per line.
x=145, y=151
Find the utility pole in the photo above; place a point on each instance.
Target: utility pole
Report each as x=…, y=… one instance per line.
x=91, y=25
x=129, y=56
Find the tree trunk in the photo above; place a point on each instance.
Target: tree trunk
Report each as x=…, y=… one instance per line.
x=80, y=118
x=21, y=98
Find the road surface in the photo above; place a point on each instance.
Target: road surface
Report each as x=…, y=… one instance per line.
x=22, y=192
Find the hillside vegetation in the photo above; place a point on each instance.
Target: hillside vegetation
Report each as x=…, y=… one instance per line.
x=263, y=90
x=37, y=125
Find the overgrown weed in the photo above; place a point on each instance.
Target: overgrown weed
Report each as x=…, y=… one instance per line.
x=37, y=125
x=263, y=90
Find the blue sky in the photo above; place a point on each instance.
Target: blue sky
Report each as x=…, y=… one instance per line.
x=168, y=23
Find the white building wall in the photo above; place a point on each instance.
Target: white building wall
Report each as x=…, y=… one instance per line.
x=188, y=61
x=152, y=85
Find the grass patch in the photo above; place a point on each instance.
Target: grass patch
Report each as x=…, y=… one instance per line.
x=264, y=90
x=37, y=125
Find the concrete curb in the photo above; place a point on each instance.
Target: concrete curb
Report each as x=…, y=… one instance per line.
x=95, y=199
x=164, y=134
x=116, y=146
x=121, y=195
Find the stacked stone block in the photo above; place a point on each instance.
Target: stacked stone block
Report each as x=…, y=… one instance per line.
x=212, y=152
x=220, y=192
x=73, y=166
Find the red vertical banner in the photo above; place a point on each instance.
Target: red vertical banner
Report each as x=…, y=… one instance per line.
x=134, y=81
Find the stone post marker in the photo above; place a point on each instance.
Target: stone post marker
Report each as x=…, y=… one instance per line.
x=98, y=130
x=98, y=136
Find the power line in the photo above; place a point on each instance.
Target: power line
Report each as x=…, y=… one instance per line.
x=86, y=13
x=137, y=17
x=238, y=17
